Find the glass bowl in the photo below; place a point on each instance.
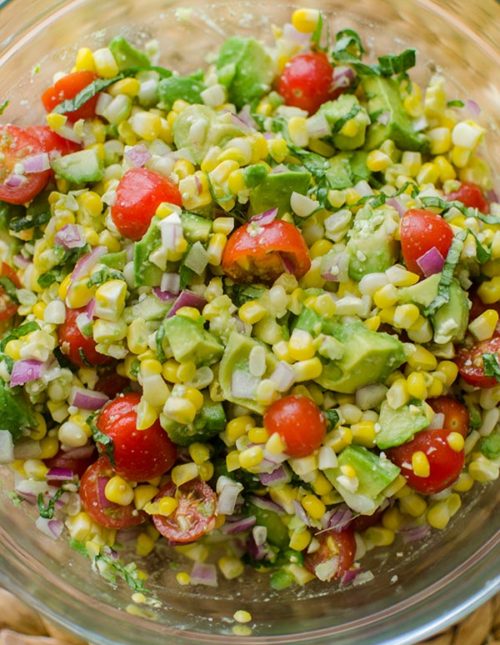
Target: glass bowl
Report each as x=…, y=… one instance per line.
x=418, y=589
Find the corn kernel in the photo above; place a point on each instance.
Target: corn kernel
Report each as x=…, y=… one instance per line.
x=456, y=441
x=258, y=435
x=180, y=410
x=422, y=359
x=438, y=515
x=313, y=506
x=392, y=519
x=144, y=545
x=49, y=447
x=195, y=396
x=379, y=536
x=105, y=63
x=183, y=578
x=206, y=471
x=232, y=461
x=386, y=296
x=372, y=323
x=143, y=495
x=420, y=464
x=483, y=327
x=435, y=388
x=84, y=60
x=297, y=129
x=184, y=473
x=413, y=505
x=450, y=370
x=483, y=470
x=215, y=248
x=440, y=140
x=231, y=567
x=363, y=433
x=146, y=125
x=300, y=345
x=119, y=491
x=377, y=161
x=324, y=305
x=251, y=457
x=199, y=453
x=305, y=20
x=275, y=444
x=489, y=291
x=307, y=370
x=428, y=174
x=237, y=427
x=416, y=385
x=398, y=394
x=251, y=312
x=300, y=539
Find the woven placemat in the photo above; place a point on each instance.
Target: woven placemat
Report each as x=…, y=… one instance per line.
x=20, y=625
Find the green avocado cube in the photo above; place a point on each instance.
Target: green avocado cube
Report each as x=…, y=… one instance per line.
x=189, y=341
x=400, y=425
x=126, y=55
x=79, y=167
x=276, y=190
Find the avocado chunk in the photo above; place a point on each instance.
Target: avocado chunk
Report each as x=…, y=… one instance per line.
x=79, y=167
x=150, y=308
x=384, y=98
x=185, y=88
x=189, y=341
x=195, y=228
x=340, y=175
x=234, y=371
x=277, y=532
x=374, y=474
x=116, y=260
x=449, y=321
x=245, y=68
x=16, y=413
x=338, y=113
x=490, y=445
x=210, y=421
x=145, y=272
x=126, y=55
x=371, y=248
x=276, y=190
x=399, y=426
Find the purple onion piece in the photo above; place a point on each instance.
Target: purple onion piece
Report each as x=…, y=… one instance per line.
x=80, y=453
x=395, y=203
x=239, y=526
x=275, y=478
x=349, y=576
x=343, y=77
x=204, y=574
x=266, y=504
x=300, y=512
x=70, y=237
x=187, y=299
x=266, y=217
x=14, y=181
x=25, y=371
x=36, y=163
x=473, y=107
x=288, y=264
x=87, y=399
x=415, y=533
x=341, y=519
x=138, y=155
x=60, y=474
x=163, y=295
x=88, y=262
x=101, y=495
x=431, y=262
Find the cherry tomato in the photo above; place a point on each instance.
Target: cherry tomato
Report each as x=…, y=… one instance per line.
x=470, y=195
x=112, y=384
x=138, y=195
x=478, y=306
x=100, y=509
x=16, y=144
x=456, y=415
x=299, y=422
x=363, y=522
x=445, y=464
x=333, y=544
x=80, y=349
x=307, y=81
x=67, y=88
x=52, y=142
x=470, y=362
x=139, y=455
x=8, y=308
x=194, y=515
x=420, y=231
x=265, y=255
x=78, y=465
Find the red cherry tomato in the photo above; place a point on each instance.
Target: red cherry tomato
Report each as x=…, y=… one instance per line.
x=194, y=515
x=80, y=349
x=299, y=422
x=102, y=511
x=470, y=362
x=138, y=195
x=8, y=308
x=470, y=195
x=16, y=144
x=265, y=255
x=363, y=522
x=52, y=142
x=445, y=464
x=420, y=231
x=341, y=545
x=78, y=465
x=112, y=384
x=478, y=306
x=67, y=88
x=307, y=81
x=456, y=415
x=139, y=455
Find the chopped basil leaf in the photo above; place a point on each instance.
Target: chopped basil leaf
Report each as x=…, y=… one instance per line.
x=18, y=332
x=443, y=295
x=103, y=275
x=104, y=440
x=76, y=545
x=317, y=35
x=362, y=69
x=3, y=106
x=9, y=287
x=88, y=92
x=349, y=40
x=455, y=103
x=332, y=418
x=483, y=254
x=110, y=568
x=47, y=511
x=397, y=63
x=491, y=365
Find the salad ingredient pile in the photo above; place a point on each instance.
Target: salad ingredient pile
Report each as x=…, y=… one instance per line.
x=251, y=312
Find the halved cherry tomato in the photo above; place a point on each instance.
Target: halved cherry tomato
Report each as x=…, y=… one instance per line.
x=263, y=252
x=307, y=81
x=139, y=455
x=194, y=515
x=445, y=464
x=138, y=195
x=100, y=509
x=420, y=231
x=67, y=88
x=299, y=422
x=456, y=415
x=470, y=362
x=112, y=384
x=341, y=545
x=78, y=465
x=80, y=349
x=52, y=142
x=470, y=195
x=363, y=522
x=8, y=308
x=478, y=306
x=16, y=144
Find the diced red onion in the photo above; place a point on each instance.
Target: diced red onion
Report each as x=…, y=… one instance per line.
x=437, y=422
x=300, y=512
x=266, y=504
x=283, y=376
x=90, y=309
x=14, y=181
x=228, y=491
x=473, y=107
x=246, y=117
x=492, y=196
x=187, y=299
x=240, y=123
x=51, y=528
x=266, y=217
x=241, y=525
x=6, y=447
x=288, y=264
x=256, y=551
x=85, y=264
x=343, y=77
x=138, y=155
x=170, y=282
x=84, y=452
x=70, y=237
x=415, y=533
x=326, y=570
x=163, y=295
x=431, y=262
x=21, y=261
x=277, y=477
x=341, y=519
x=87, y=399
x=25, y=371
x=101, y=494
x=36, y=163
x=171, y=231
x=204, y=574
x=60, y=474
x=350, y=575
x=395, y=203
x=383, y=118
x=290, y=33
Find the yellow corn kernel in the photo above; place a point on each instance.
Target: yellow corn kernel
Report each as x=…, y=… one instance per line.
x=275, y=444
x=450, y=370
x=105, y=63
x=492, y=268
x=180, y=410
x=489, y=291
x=251, y=457
x=440, y=140
x=232, y=460
x=320, y=485
x=363, y=433
x=223, y=225
x=372, y=323
x=350, y=128
x=398, y=394
x=79, y=526
x=456, y=441
x=49, y=447
x=420, y=464
x=35, y=469
x=79, y=296
x=150, y=366
x=301, y=345
x=251, y=312
x=258, y=435
x=169, y=371
x=464, y=483
x=278, y=149
x=237, y=427
x=184, y=473
x=297, y=129
x=119, y=491
x=435, y=388
x=377, y=161
x=392, y=519
x=413, y=102
x=195, y=396
x=199, y=453
x=483, y=469
x=167, y=505
x=215, y=248
x=40, y=430
x=340, y=438
x=320, y=248
x=56, y=121
x=128, y=86
x=144, y=545
x=235, y=181
x=324, y=305
x=460, y=156
x=386, y=296
x=146, y=125
x=281, y=351
x=143, y=495
x=63, y=287
x=428, y=174
x=405, y=316
x=305, y=20
x=416, y=386
x=300, y=539
x=307, y=370
x=84, y=60
x=183, y=168
x=313, y=506
x=445, y=169
x=483, y=327
x=413, y=505
x=422, y=359
x=183, y=578
x=206, y=471
x=38, y=310
x=13, y=349
x=186, y=371
x=379, y=536
x=438, y=515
